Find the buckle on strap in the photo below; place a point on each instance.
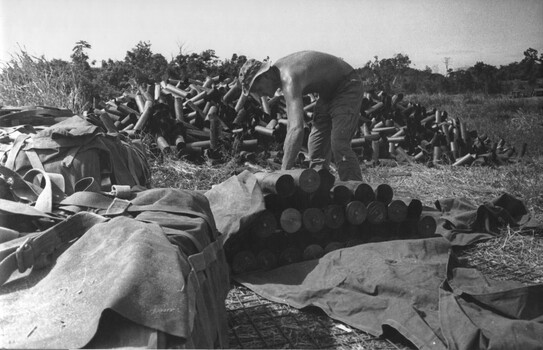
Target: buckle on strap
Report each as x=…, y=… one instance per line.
x=25, y=255
x=117, y=207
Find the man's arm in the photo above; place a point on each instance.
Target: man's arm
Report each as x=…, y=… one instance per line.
x=295, y=132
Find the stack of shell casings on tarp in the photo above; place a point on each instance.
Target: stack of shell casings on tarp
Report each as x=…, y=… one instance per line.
x=309, y=214
x=410, y=133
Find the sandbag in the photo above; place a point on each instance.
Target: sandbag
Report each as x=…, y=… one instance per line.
x=150, y=275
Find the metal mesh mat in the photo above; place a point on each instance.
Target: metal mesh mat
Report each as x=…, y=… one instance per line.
x=257, y=323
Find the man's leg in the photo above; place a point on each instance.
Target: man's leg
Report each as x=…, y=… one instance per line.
x=343, y=129
x=318, y=144
x=345, y=111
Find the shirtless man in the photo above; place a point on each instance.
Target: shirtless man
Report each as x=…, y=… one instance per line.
x=336, y=114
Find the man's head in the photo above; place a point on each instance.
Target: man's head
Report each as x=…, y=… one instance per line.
x=251, y=70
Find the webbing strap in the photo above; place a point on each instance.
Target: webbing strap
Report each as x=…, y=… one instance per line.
x=87, y=184
x=45, y=199
x=18, y=208
x=20, y=188
x=131, y=165
x=34, y=159
x=70, y=156
x=176, y=232
x=192, y=289
x=7, y=266
x=7, y=234
x=203, y=307
x=17, y=145
x=100, y=201
x=117, y=207
x=200, y=261
x=27, y=250
x=88, y=199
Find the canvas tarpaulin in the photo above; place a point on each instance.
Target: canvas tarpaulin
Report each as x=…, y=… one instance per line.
x=236, y=203
x=410, y=285
x=413, y=286
x=127, y=266
x=159, y=267
x=462, y=222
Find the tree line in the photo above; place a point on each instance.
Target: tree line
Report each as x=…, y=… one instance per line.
x=142, y=66
x=395, y=75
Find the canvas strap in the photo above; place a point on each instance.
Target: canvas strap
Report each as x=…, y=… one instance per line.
x=23, y=253
x=17, y=145
x=54, y=188
x=103, y=202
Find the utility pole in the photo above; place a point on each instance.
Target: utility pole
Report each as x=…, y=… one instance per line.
x=447, y=61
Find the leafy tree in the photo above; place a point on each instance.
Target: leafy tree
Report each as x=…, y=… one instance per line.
x=532, y=66
x=461, y=81
x=195, y=66
x=85, y=90
x=485, y=77
x=387, y=72
x=114, y=79
x=144, y=65
x=79, y=56
x=230, y=68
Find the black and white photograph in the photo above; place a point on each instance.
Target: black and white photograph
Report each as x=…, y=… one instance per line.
x=291, y=174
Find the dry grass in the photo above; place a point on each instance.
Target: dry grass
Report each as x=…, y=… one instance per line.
x=515, y=120
x=180, y=173
x=29, y=80
x=479, y=184
x=514, y=256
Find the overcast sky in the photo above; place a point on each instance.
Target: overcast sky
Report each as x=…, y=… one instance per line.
x=493, y=31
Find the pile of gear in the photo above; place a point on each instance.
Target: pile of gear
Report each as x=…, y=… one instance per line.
x=89, y=255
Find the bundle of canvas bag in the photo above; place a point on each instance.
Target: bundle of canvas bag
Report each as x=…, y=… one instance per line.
x=75, y=148
x=90, y=257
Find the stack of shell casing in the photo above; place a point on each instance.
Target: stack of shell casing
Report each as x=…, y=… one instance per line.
x=196, y=118
x=309, y=214
x=411, y=133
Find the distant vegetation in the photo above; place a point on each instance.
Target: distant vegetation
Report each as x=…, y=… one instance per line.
x=395, y=75
x=76, y=84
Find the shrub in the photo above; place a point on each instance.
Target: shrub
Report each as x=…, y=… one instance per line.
x=29, y=80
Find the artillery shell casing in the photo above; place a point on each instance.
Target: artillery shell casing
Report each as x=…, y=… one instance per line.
x=384, y=193
x=341, y=194
x=290, y=220
x=275, y=182
x=313, y=219
x=355, y=212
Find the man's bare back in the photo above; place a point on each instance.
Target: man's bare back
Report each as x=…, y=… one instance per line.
x=339, y=90
x=312, y=72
